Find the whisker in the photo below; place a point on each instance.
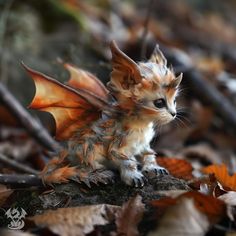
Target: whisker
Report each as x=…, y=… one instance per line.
x=184, y=109
x=176, y=124
x=184, y=119
x=187, y=117
x=183, y=90
x=182, y=122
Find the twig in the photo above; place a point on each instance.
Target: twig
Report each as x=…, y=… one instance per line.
x=190, y=36
x=26, y=120
x=203, y=89
x=20, y=180
x=145, y=30
x=17, y=166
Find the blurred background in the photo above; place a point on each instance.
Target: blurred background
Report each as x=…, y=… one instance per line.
x=198, y=37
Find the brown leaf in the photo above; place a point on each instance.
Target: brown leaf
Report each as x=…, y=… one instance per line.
x=212, y=207
x=4, y=193
x=130, y=215
x=182, y=219
x=177, y=167
x=6, y=117
x=222, y=175
x=75, y=221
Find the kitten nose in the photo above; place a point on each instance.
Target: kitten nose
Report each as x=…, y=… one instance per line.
x=173, y=113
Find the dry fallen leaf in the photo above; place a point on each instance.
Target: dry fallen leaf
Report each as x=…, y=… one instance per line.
x=177, y=167
x=230, y=234
x=212, y=207
x=5, y=232
x=4, y=193
x=222, y=175
x=201, y=153
x=182, y=219
x=75, y=221
x=230, y=199
x=171, y=193
x=129, y=216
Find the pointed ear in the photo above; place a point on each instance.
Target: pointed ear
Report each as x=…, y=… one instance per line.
x=158, y=57
x=176, y=82
x=125, y=71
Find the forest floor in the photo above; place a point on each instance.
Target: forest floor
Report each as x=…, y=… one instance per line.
x=198, y=148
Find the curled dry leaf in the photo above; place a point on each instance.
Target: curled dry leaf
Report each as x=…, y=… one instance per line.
x=222, y=175
x=182, y=219
x=75, y=221
x=212, y=207
x=129, y=216
x=178, y=168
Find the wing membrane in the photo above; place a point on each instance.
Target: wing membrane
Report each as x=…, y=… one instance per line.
x=81, y=79
x=71, y=109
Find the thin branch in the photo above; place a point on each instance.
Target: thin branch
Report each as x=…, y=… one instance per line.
x=17, y=166
x=201, y=88
x=37, y=131
x=145, y=30
x=17, y=180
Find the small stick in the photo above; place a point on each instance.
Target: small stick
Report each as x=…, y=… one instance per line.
x=203, y=89
x=26, y=120
x=17, y=166
x=20, y=180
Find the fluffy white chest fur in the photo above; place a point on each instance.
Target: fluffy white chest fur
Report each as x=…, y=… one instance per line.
x=139, y=140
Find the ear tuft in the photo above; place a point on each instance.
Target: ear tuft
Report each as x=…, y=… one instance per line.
x=125, y=71
x=158, y=57
x=176, y=82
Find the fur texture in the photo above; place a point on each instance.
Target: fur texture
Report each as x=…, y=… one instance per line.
x=118, y=131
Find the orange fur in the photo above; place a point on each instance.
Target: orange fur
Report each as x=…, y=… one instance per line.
x=102, y=132
x=60, y=175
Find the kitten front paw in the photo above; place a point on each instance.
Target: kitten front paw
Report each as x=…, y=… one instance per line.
x=153, y=170
x=133, y=178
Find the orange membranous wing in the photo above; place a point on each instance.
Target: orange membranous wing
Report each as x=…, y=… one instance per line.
x=81, y=79
x=71, y=109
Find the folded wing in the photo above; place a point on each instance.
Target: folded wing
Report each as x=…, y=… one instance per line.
x=71, y=108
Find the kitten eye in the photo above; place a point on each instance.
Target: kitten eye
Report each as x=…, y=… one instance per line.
x=175, y=101
x=160, y=103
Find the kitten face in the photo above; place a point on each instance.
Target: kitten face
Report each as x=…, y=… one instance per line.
x=158, y=91
x=148, y=89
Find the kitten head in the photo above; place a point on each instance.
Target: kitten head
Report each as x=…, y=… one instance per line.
x=147, y=89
